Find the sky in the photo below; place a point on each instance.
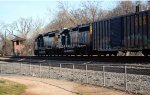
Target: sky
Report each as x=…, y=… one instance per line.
x=12, y=10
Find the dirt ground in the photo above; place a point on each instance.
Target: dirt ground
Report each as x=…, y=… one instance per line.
x=39, y=86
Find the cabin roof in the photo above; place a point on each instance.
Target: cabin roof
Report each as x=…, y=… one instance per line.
x=18, y=39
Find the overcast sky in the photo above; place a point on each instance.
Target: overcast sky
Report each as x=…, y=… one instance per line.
x=11, y=10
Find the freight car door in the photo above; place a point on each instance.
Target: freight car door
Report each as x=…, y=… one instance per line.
x=116, y=30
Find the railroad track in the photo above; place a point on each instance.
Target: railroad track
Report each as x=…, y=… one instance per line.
x=115, y=59
x=118, y=67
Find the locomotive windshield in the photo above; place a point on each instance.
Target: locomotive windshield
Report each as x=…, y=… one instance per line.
x=52, y=35
x=86, y=28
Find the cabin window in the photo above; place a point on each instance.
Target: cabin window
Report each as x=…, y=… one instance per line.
x=17, y=42
x=51, y=35
x=21, y=42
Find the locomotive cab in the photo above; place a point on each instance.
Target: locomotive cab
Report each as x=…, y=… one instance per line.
x=49, y=42
x=39, y=45
x=84, y=39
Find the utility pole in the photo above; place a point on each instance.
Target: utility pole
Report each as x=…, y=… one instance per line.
x=138, y=6
x=148, y=6
x=5, y=45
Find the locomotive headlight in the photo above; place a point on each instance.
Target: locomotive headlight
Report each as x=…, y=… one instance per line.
x=63, y=34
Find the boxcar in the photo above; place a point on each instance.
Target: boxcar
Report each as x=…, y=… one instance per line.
x=129, y=32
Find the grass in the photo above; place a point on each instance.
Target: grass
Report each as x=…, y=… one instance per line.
x=11, y=88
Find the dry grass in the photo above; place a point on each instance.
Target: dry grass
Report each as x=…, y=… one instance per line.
x=11, y=88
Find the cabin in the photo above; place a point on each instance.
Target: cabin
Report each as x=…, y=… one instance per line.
x=18, y=46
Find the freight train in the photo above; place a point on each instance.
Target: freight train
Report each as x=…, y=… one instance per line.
x=125, y=33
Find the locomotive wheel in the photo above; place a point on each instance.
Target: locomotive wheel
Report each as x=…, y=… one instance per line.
x=145, y=54
x=115, y=54
x=99, y=54
x=110, y=54
x=86, y=51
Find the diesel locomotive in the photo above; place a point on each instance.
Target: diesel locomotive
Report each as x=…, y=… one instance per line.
x=130, y=32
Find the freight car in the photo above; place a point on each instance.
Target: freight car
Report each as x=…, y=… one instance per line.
x=124, y=33
x=130, y=32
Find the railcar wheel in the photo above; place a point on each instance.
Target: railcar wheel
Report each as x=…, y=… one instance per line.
x=89, y=54
x=110, y=54
x=86, y=51
x=145, y=54
x=99, y=54
x=115, y=54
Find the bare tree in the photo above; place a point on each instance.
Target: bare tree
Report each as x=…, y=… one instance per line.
x=91, y=8
x=89, y=11
x=62, y=18
x=21, y=27
x=69, y=17
x=102, y=14
x=64, y=15
x=122, y=8
x=37, y=27
x=65, y=9
x=2, y=39
x=5, y=43
x=24, y=26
